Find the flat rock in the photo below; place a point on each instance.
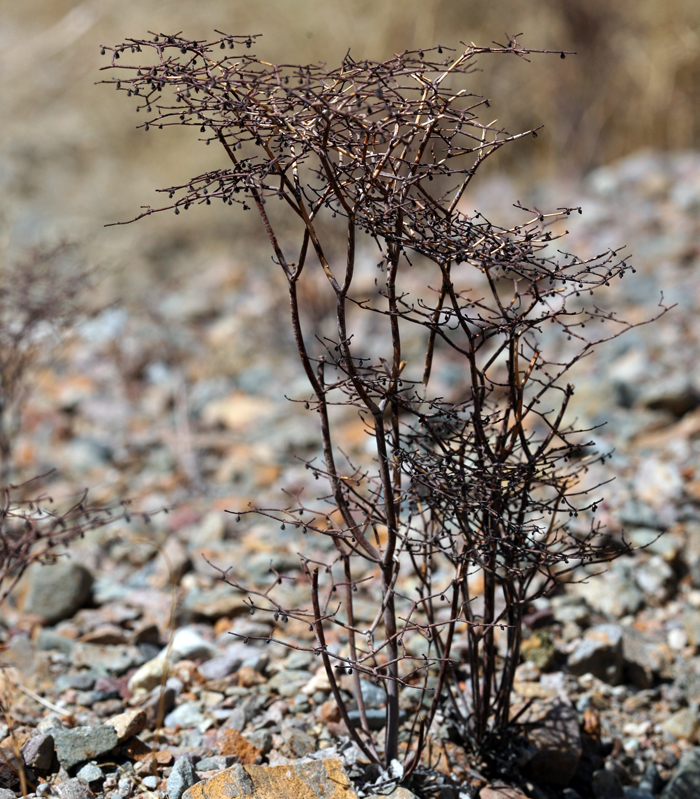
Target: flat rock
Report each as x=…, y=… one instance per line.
x=599, y=653
x=315, y=779
x=496, y=792
x=149, y=676
x=73, y=789
x=107, y=659
x=683, y=724
x=188, y=644
x=83, y=743
x=57, y=591
x=643, y=658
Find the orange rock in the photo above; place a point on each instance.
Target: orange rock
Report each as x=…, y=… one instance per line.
x=330, y=712
x=310, y=780
x=501, y=792
x=231, y=742
x=248, y=677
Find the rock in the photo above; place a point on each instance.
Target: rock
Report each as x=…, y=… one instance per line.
x=683, y=724
x=58, y=591
x=248, y=677
x=600, y=653
x=288, y=682
x=188, y=714
x=656, y=578
x=614, y=593
x=376, y=718
x=299, y=742
x=128, y=724
x=555, y=738
x=234, y=657
x=37, y=752
x=90, y=773
x=496, y=792
x=315, y=779
x=398, y=793
x=685, y=783
x=73, y=789
x=83, y=743
x=156, y=705
x=248, y=749
x=182, y=777
x=539, y=649
x=170, y=564
x=188, y=644
x=107, y=659
x=237, y=411
x=82, y=681
x=643, y=658
x=214, y=763
x=373, y=695
x=607, y=785
x=150, y=675
x=49, y=639
x=6, y=793
x=9, y=769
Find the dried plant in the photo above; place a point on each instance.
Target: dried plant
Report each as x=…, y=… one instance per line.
x=34, y=529
x=469, y=501
x=40, y=297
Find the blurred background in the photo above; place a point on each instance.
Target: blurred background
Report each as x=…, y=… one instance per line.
x=71, y=159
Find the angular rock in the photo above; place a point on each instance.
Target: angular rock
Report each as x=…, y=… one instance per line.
x=83, y=743
x=6, y=793
x=554, y=734
x=73, y=789
x=246, y=749
x=188, y=644
x=614, y=593
x=57, y=591
x=182, y=777
x=683, y=724
x=9, y=769
x=299, y=742
x=150, y=675
x=188, y=714
x=37, y=751
x=158, y=705
x=90, y=773
x=315, y=779
x=599, y=653
x=685, y=783
x=496, y=792
x=128, y=724
x=643, y=658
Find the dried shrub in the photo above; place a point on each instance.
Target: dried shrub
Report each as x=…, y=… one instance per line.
x=40, y=297
x=486, y=489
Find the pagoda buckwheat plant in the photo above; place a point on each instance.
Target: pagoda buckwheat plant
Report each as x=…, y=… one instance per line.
x=466, y=510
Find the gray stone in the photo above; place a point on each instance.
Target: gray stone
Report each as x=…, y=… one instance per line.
x=188, y=644
x=651, y=782
x=6, y=793
x=685, y=783
x=37, y=751
x=188, y=714
x=642, y=657
x=107, y=659
x=90, y=773
x=299, y=742
x=82, y=681
x=83, y=743
x=599, y=653
x=233, y=658
x=155, y=705
x=614, y=593
x=656, y=578
x=57, y=591
x=289, y=681
x=376, y=718
x=9, y=769
x=48, y=640
x=261, y=739
x=636, y=793
x=73, y=789
x=373, y=695
x=214, y=763
x=150, y=782
x=182, y=777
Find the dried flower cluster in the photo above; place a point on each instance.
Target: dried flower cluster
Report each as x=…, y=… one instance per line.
x=482, y=489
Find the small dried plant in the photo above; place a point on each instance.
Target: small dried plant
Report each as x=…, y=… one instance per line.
x=468, y=501
x=40, y=297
